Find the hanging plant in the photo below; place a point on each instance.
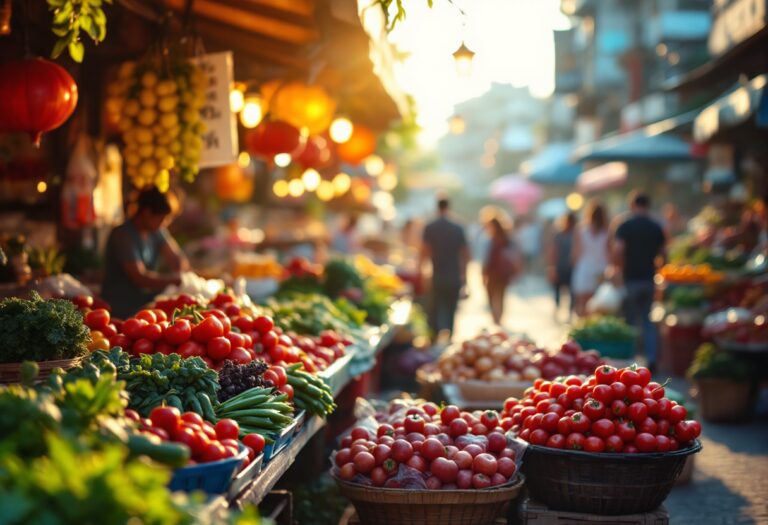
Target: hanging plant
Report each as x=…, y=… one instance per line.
x=70, y=18
x=36, y=96
x=156, y=104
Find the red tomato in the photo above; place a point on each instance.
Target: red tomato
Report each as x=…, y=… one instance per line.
x=287, y=390
x=614, y=443
x=626, y=431
x=227, y=429
x=348, y=471
x=618, y=408
x=594, y=444
x=479, y=429
x=417, y=462
x=97, y=319
x=147, y=315
x=449, y=413
x=645, y=442
x=402, y=450
x=414, y=423
x=143, y=346
x=385, y=429
x=134, y=328
x=594, y=409
x=481, y=481
x=218, y=347
x=485, y=464
x=635, y=393
x=605, y=375
x=342, y=457
x=657, y=390
x=360, y=433
x=463, y=459
x=644, y=375
x=207, y=329
x=159, y=315
x=381, y=453
x=378, y=477
x=192, y=417
x=167, y=418
x=603, y=428
x=575, y=441
x=648, y=425
x=263, y=324
x=507, y=466
x=109, y=331
x=235, y=339
x=490, y=418
x=189, y=437
x=538, y=437
x=432, y=449
x=364, y=462
x=121, y=341
x=619, y=390
x=213, y=451
x=629, y=377
x=663, y=444
x=178, y=332
x=665, y=405
x=556, y=389
x=240, y=355
x=603, y=393
x=244, y=323
x=580, y=423
x=637, y=412
x=190, y=349
x=152, y=332
x=496, y=442
x=444, y=469
x=564, y=425
x=677, y=413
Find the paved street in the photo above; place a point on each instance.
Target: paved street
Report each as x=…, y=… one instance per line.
x=730, y=481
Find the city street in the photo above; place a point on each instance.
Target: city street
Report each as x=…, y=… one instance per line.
x=730, y=480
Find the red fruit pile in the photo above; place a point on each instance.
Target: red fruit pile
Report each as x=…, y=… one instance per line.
x=221, y=331
x=206, y=442
x=425, y=447
x=611, y=411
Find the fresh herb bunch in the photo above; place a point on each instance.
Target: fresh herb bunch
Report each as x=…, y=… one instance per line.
x=310, y=314
x=41, y=330
x=235, y=378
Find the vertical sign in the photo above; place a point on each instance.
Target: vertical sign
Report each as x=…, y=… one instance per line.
x=220, y=140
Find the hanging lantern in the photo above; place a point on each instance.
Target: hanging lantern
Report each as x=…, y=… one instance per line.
x=360, y=145
x=35, y=96
x=233, y=184
x=303, y=106
x=315, y=153
x=273, y=137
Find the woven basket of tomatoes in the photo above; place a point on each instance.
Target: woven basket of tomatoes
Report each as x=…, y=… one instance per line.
x=418, y=464
x=608, y=444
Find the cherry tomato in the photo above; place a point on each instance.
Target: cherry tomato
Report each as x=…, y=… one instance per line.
x=594, y=409
x=287, y=390
x=143, y=346
x=240, y=355
x=614, y=443
x=619, y=390
x=235, y=339
x=637, y=412
x=121, y=341
x=134, y=328
x=167, y=418
x=449, y=413
x=190, y=349
x=263, y=324
x=538, y=437
x=644, y=375
x=554, y=441
x=178, y=332
x=213, y=451
x=192, y=417
x=626, y=431
x=109, y=331
x=594, y=444
x=147, y=315
x=218, y=348
x=364, y=462
x=97, y=319
x=207, y=329
x=227, y=429
x=629, y=377
x=414, y=423
x=657, y=391
x=603, y=393
x=159, y=315
x=152, y=332
x=575, y=441
x=402, y=450
x=663, y=444
x=490, y=418
x=618, y=408
x=281, y=375
x=677, y=413
x=348, y=471
x=580, y=423
x=603, y=428
x=605, y=375
x=645, y=442
x=244, y=323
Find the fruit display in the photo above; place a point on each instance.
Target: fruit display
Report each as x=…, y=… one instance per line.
x=500, y=356
x=40, y=330
x=421, y=446
x=689, y=274
x=156, y=104
x=602, y=328
x=257, y=266
x=613, y=410
x=381, y=277
x=737, y=326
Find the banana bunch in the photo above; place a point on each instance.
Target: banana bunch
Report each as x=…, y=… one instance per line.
x=157, y=107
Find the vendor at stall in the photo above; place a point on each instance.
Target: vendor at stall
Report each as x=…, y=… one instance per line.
x=135, y=250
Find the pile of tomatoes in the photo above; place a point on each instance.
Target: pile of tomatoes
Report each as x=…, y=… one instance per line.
x=426, y=447
x=205, y=441
x=614, y=410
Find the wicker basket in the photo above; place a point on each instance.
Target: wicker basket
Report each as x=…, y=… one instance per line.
x=11, y=372
x=380, y=506
x=607, y=484
x=722, y=399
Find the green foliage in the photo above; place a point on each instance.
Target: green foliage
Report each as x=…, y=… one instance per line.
x=603, y=328
x=39, y=330
x=70, y=18
x=310, y=314
x=709, y=362
x=686, y=297
x=340, y=275
x=50, y=261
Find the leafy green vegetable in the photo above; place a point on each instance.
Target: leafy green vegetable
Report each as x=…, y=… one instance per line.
x=310, y=314
x=70, y=17
x=709, y=362
x=338, y=276
x=40, y=330
x=603, y=328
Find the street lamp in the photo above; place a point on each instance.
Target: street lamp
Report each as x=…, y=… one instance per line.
x=463, y=57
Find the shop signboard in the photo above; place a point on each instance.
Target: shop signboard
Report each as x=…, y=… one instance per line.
x=220, y=145
x=734, y=21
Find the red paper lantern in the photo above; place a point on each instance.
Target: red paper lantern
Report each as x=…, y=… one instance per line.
x=315, y=153
x=35, y=96
x=273, y=137
x=361, y=144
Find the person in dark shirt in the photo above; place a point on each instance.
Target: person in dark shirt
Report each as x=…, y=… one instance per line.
x=445, y=245
x=639, y=241
x=134, y=252
x=560, y=266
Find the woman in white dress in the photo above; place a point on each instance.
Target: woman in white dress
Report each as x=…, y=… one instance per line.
x=590, y=254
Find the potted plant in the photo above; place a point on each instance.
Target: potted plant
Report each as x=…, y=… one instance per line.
x=722, y=383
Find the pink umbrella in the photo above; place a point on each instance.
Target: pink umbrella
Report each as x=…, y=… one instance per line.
x=517, y=190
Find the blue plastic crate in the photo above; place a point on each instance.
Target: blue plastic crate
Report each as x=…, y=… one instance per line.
x=280, y=441
x=213, y=477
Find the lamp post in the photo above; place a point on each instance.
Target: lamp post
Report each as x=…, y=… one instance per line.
x=463, y=57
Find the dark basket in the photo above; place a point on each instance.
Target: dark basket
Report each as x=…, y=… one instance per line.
x=382, y=506
x=608, y=484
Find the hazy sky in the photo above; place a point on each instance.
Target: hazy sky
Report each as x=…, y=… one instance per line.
x=512, y=40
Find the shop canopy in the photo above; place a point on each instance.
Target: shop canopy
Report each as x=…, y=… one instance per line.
x=552, y=165
x=650, y=144
x=735, y=107
x=603, y=177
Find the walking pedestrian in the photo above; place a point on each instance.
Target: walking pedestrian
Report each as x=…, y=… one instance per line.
x=590, y=254
x=445, y=246
x=560, y=269
x=639, y=240
x=502, y=265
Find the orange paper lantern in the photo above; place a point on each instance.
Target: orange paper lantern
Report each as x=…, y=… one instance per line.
x=360, y=145
x=306, y=107
x=233, y=184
